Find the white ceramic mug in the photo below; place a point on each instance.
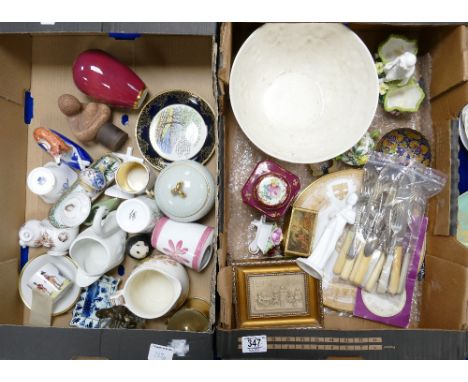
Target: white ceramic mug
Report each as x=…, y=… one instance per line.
x=137, y=215
x=133, y=177
x=99, y=248
x=156, y=287
x=190, y=244
x=51, y=181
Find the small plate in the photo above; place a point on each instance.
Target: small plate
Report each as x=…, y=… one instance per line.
x=176, y=125
x=66, y=266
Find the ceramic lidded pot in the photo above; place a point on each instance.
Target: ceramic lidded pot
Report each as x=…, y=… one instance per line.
x=185, y=191
x=154, y=288
x=103, y=78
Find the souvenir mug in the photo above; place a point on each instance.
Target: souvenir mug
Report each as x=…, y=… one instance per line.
x=154, y=288
x=190, y=244
x=35, y=233
x=137, y=215
x=133, y=177
x=49, y=281
x=51, y=181
x=99, y=248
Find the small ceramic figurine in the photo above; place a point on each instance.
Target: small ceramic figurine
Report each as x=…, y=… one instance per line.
x=316, y=262
x=102, y=77
x=61, y=148
x=138, y=246
x=401, y=68
x=358, y=155
x=268, y=235
x=35, y=233
x=90, y=122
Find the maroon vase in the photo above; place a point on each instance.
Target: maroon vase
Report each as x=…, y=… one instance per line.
x=103, y=78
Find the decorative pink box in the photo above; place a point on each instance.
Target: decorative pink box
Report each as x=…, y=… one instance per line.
x=270, y=189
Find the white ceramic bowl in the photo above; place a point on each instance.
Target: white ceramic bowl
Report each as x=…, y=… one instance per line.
x=304, y=93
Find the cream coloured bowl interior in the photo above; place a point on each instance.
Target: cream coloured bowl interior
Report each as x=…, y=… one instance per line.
x=304, y=93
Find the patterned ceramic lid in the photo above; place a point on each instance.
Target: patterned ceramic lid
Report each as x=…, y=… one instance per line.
x=41, y=181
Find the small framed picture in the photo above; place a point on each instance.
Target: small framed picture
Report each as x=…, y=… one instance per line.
x=300, y=232
x=276, y=293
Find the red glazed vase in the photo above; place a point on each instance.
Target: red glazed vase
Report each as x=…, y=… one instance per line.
x=103, y=78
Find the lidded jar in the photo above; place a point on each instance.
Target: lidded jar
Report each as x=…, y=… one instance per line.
x=185, y=191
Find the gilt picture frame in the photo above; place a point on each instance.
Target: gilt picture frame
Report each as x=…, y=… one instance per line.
x=300, y=232
x=276, y=294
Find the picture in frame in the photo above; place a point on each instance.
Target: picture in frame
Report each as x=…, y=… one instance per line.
x=300, y=232
x=276, y=293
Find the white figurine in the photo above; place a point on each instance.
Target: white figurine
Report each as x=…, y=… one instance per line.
x=316, y=262
x=401, y=68
x=268, y=235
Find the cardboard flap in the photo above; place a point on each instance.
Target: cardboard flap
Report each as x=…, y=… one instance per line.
x=225, y=52
x=15, y=76
x=450, y=60
x=445, y=295
x=224, y=286
x=11, y=308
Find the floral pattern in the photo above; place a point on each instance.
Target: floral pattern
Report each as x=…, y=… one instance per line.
x=176, y=251
x=272, y=190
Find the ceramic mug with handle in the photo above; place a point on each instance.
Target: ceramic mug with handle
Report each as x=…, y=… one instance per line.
x=155, y=288
x=99, y=248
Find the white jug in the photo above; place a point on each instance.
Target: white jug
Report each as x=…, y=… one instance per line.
x=156, y=287
x=98, y=249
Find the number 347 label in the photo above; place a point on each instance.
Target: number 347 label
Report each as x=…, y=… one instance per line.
x=254, y=344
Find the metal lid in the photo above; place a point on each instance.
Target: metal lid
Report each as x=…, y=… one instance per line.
x=184, y=190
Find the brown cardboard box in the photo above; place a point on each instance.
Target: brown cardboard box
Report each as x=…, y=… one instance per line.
x=445, y=297
x=41, y=63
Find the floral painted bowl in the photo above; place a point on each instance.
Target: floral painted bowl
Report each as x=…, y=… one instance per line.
x=407, y=144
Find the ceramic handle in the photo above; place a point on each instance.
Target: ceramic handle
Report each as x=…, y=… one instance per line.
x=383, y=280
x=364, y=267
x=347, y=268
x=396, y=269
x=372, y=282
x=339, y=265
x=117, y=298
x=357, y=265
x=404, y=273
x=104, y=227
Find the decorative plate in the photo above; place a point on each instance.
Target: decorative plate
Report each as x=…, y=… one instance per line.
x=304, y=93
x=176, y=125
x=406, y=143
x=66, y=266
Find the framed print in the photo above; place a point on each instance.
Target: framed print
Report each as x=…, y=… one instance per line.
x=276, y=293
x=300, y=232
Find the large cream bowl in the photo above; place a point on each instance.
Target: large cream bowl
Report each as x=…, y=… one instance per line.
x=304, y=93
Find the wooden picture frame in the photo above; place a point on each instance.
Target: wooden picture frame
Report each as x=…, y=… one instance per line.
x=276, y=294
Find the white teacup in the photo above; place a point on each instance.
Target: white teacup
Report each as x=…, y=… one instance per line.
x=133, y=177
x=156, y=287
x=51, y=181
x=137, y=215
x=99, y=248
x=190, y=244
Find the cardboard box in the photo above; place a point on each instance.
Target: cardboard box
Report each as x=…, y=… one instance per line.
x=182, y=57
x=444, y=312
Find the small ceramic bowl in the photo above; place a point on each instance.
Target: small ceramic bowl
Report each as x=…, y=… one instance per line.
x=406, y=143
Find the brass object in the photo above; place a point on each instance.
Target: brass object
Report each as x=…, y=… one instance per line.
x=275, y=294
x=194, y=316
x=178, y=190
x=300, y=232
